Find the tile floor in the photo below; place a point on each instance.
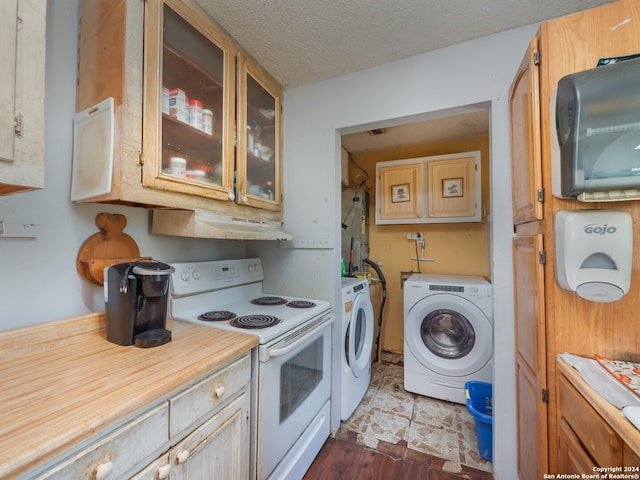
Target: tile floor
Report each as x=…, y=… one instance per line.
x=398, y=422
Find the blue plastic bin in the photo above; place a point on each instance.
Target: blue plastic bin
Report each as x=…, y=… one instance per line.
x=480, y=406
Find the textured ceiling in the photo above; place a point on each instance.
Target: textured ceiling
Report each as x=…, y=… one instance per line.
x=304, y=41
x=450, y=127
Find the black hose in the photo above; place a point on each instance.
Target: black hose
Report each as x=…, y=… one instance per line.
x=383, y=282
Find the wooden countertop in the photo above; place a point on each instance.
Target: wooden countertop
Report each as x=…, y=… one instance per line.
x=62, y=382
x=612, y=415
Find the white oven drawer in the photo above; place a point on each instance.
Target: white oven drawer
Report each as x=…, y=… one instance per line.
x=199, y=400
x=119, y=451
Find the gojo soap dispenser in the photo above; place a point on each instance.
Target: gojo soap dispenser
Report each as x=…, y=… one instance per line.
x=594, y=250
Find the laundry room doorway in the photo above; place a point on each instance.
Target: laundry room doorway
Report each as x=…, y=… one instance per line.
x=448, y=248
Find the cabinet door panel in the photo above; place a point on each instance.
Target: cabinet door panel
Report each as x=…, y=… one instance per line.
x=400, y=192
x=525, y=140
x=530, y=356
x=217, y=449
x=22, y=36
x=259, y=137
x=187, y=103
x=572, y=459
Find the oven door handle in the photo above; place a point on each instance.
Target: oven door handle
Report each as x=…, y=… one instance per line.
x=278, y=352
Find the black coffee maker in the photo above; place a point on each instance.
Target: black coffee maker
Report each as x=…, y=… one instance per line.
x=136, y=303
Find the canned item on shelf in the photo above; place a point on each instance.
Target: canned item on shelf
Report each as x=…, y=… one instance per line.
x=195, y=114
x=177, y=166
x=165, y=100
x=207, y=121
x=178, y=105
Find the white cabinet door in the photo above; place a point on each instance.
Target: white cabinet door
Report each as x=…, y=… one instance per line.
x=22, y=36
x=219, y=449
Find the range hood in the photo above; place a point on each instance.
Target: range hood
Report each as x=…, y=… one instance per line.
x=199, y=224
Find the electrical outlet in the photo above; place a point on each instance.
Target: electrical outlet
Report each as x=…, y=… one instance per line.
x=414, y=236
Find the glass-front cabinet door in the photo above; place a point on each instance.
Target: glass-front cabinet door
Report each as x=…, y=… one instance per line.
x=188, y=103
x=259, y=138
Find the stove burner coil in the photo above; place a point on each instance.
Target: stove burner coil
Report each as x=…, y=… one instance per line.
x=255, y=321
x=268, y=301
x=217, y=316
x=301, y=304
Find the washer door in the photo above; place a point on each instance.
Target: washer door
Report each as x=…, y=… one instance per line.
x=449, y=335
x=359, y=336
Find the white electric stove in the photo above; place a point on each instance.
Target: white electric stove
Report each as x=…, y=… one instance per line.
x=293, y=366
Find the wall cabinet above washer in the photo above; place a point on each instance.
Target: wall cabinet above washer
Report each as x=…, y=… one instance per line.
x=436, y=189
x=182, y=91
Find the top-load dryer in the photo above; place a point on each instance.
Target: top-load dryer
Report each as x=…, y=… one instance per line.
x=448, y=334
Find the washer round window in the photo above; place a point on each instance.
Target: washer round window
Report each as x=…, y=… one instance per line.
x=447, y=334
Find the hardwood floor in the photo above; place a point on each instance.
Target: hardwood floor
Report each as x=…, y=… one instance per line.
x=345, y=460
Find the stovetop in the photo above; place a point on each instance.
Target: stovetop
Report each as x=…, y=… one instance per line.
x=228, y=290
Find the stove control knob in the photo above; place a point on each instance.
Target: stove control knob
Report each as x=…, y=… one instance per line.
x=196, y=274
x=185, y=276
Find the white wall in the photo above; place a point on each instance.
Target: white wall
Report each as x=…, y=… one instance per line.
x=38, y=279
x=477, y=72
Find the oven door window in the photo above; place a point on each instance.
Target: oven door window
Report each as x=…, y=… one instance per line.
x=299, y=377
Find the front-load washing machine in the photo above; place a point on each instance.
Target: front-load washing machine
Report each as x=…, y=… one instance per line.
x=448, y=334
x=356, y=344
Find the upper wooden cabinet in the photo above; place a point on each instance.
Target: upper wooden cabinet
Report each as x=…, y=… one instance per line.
x=549, y=320
x=526, y=161
x=22, y=36
x=436, y=189
x=183, y=91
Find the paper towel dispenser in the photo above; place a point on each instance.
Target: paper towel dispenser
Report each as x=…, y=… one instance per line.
x=595, y=134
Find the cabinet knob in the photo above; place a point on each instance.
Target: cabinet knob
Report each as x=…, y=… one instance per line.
x=182, y=456
x=245, y=199
x=232, y=197
x=103, y=470
x=163, y=471
x=218, y=391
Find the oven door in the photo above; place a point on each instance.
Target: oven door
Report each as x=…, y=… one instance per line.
x=295, y=383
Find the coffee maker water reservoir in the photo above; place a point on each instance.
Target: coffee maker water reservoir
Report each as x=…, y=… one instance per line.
x=136, y=303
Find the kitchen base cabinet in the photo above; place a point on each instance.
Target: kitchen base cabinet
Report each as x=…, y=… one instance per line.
x=200, y=432
x=592, y=432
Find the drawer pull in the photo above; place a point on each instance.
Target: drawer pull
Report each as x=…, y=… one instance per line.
x=183, y=456
x=163, y=472
x=218, y=391
x=103, y=470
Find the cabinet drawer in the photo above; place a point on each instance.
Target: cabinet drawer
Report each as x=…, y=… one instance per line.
x=630, y=459
x=119, y=451
x=205, y=396
x=572, y=458
x=597, y=438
